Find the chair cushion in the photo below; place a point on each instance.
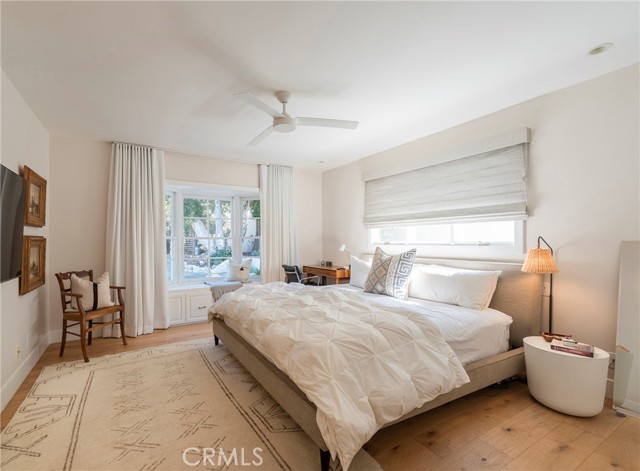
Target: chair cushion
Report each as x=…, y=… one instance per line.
x=239, y=272
x=389, y=274
x=95, y=295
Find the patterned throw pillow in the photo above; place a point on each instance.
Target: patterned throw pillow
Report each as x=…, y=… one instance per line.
x=389, y=274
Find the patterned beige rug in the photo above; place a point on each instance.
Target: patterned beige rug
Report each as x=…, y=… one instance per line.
x=182, y=406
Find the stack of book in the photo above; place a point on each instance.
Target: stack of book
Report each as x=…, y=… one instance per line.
x=569, y=345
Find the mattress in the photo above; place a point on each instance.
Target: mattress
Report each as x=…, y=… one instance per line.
x=472, y=334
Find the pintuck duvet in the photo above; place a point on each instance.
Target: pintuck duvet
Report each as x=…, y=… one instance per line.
x=362, y=364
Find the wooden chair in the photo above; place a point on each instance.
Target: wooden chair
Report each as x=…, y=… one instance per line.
x=86, y=318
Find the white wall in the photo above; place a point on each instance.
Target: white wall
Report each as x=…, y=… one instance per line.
x=24, y=319
x=210, y=170
x=308, y=197
x=584, y=191
x=78, y=194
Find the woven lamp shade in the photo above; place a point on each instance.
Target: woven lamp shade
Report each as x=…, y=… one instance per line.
x=540, y=261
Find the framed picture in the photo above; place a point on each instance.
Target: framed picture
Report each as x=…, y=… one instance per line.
x=35, y=207
x=33, y=259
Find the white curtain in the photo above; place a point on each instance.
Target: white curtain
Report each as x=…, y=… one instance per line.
x=277, y=209
x=136, y=247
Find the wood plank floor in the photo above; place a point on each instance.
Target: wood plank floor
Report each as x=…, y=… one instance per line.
x=491, y=429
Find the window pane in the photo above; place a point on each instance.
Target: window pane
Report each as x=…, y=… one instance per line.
x=251, y=227
x=251, y=208
x=477, y=233
x=219, y=227
x=195, y=269
x=433, y=234
x=221, y=248
x=389, y=235
x=168, y=214
x=255, y=265
x=195, y=207
x=499, y=232
x=195, y=227
x=170, y=259
x=250, y=248
x=196, y=248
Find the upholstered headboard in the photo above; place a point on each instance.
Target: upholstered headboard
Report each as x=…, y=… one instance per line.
x=518, y=294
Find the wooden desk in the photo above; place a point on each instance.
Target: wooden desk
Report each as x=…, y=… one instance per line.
x=337, y=273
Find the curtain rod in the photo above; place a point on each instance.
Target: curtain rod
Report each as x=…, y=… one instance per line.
x=175, y=151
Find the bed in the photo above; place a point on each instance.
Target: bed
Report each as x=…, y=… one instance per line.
x=517, y=294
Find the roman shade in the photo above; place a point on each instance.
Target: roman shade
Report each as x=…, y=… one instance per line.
x=489, y=185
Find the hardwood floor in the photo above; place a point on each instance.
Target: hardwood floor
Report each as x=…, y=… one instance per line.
x=491, y=429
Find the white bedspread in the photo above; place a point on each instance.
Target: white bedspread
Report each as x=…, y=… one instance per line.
x=361, y=364
x=472, y=334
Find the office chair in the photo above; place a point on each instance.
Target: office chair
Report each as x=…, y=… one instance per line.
x=294, y=275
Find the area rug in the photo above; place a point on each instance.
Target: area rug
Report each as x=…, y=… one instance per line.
x=182, y=406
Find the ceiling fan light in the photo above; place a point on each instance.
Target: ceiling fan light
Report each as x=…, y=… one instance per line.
x=284, y=124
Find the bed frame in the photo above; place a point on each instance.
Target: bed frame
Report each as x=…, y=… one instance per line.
x=518, y=294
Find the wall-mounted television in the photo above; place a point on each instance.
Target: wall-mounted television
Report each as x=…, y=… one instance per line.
x=12, y=195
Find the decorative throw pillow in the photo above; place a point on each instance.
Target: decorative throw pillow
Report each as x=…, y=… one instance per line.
x=359, y=272
x=389, y=274
x=95, y=294
x=239, y=272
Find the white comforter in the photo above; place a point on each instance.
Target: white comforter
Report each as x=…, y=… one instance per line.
x=362, y=365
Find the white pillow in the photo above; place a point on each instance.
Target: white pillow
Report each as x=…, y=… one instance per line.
x=92, y=297
x=467, y=288
x=239, y=272
x=359, y=272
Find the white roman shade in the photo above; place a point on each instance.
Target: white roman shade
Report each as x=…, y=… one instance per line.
x=485, y=186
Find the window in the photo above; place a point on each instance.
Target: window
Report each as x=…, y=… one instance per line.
x=206, y=229
x=469, y=201
x=497, y=238
x=478, y=233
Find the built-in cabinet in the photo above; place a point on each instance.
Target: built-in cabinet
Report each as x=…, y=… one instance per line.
x=189, y=304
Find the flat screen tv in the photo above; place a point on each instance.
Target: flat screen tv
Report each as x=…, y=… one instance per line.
x=12, y=195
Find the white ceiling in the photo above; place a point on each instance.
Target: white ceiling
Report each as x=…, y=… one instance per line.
x=165, y=73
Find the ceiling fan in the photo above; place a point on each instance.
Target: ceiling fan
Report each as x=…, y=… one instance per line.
x=283, y=122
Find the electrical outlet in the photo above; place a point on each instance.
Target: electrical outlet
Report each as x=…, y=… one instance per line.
x=546, y=289
x=18, y=351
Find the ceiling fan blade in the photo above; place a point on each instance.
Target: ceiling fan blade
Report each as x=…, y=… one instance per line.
x=261, y=137
x=329, y=123
x=249, y=98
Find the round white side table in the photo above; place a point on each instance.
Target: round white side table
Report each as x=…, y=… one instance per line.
x=565, y=382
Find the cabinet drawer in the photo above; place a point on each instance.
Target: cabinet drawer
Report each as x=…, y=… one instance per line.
x=198, y=305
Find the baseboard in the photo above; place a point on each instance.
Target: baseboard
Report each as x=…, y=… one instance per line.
x=629, y=407
x=15, y=380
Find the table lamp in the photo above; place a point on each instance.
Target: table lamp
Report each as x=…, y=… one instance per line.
x=343, y=248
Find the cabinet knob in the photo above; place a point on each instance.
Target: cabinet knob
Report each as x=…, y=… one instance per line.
x=202, y=307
